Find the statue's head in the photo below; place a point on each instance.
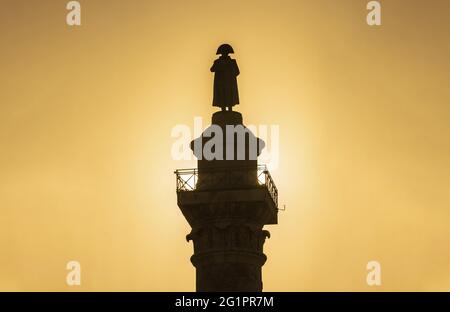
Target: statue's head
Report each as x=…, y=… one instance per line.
x=225, y=49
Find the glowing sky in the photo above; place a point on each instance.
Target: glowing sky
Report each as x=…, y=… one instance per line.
x=86, y=114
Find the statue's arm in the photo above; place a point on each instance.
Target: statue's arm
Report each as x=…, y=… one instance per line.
x=236, y=68
x=213, y=68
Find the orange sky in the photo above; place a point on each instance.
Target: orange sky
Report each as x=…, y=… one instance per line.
x=86, y=114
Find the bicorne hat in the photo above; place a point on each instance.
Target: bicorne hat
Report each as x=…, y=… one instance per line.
x=225, y=49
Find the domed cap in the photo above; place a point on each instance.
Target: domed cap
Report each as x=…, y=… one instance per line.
x=225, y=49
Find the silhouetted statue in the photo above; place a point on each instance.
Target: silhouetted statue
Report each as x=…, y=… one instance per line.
x=225, y=82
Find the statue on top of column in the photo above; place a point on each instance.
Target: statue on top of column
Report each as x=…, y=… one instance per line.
x=225, y=82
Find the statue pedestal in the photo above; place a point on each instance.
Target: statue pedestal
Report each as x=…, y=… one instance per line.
x=223, y=118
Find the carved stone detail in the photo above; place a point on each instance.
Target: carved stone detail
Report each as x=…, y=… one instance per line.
x=228, y=236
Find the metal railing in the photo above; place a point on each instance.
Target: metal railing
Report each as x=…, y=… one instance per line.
x=188, y=179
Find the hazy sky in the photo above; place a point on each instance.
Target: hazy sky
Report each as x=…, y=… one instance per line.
x=86, y=115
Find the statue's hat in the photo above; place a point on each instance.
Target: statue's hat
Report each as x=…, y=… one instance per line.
x=225, y=49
